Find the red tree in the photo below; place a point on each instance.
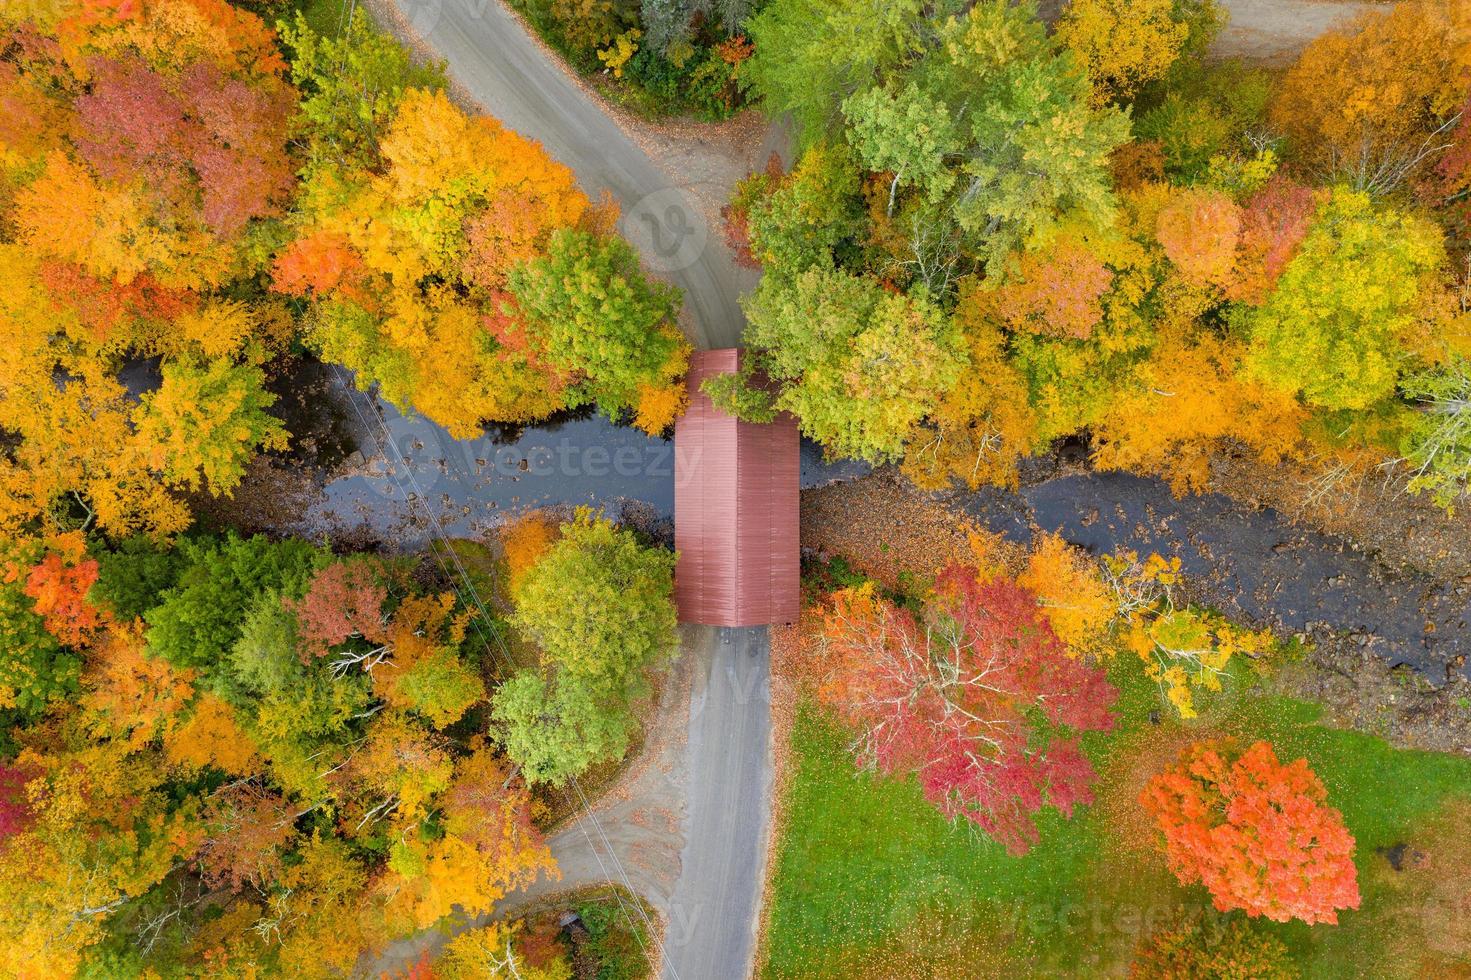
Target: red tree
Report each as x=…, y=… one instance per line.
x=1273, y=224
x=950, y=694
x=102, y=305
x=238, y=149
x=204, y=130
x=1258, y=834
x=15, y=809
x=345, y=600
x=130, y=123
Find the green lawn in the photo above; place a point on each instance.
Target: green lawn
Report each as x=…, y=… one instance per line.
x=871, y=881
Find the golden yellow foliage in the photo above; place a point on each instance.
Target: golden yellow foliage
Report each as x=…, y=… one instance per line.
x=525, y=541
x=617, y=54
x=102, y=830
x=659, y=407
x=434, y=151
x=1183, y=648
x=81, y=439
x=1186, y=401
x=211, y=737
x=128, y=694
x=984, y=424
x=451, y=378
x=1121, y=44
x=219, y=329
x=170, y=35
x=489, y=847
x=321, y=917
x=205, y=422
x=1378, y=86
x=482, y=953
x=1072, y=593
x=111, y=231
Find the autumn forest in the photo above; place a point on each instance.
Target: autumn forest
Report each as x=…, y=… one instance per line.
x=997, y=247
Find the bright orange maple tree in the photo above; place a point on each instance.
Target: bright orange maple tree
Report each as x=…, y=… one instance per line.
x=1258, y=834
x=58, y=586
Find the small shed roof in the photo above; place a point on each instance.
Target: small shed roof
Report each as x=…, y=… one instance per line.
x=735, y=510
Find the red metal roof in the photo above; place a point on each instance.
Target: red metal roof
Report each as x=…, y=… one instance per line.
x=735, y=510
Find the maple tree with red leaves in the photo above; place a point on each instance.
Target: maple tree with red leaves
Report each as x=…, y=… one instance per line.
x=15, y=811
x=1274, y=223
x=102, y=306
x=1257, y=833
x=951, y=694
x=222, y=134
x=345, y=600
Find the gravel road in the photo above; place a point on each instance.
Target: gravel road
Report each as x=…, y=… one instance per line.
x=500, y=66
x=1273, y=31
x=690, y=837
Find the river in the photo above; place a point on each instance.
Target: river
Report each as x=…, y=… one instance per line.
x=1253, y=564
x=406, y=480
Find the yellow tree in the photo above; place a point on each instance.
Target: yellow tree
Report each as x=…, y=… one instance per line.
x=103, y=830
x=1184, y=403
x=205, y=422
x=1366, y=102
x=1122, y=44
x=983, y=425
x=1072, y=594
x=489, y=847
x=80, y=448
x=407, y=266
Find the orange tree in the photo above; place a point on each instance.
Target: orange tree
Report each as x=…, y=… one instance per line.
x=1257, y=833
x=143, y=156
x=456, y=265
x=1371, y=103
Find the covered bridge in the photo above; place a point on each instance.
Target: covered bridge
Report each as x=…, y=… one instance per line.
x=735, y=510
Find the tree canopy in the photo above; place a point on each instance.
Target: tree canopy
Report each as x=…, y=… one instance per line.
x=598, y=606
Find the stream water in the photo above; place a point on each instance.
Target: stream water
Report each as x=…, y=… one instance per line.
x=1255, y=564
x=409, y=480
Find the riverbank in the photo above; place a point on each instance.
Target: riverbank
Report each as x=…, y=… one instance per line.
x=1386, y=646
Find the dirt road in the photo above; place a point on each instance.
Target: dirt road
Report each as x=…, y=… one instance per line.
x=1273, y=31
